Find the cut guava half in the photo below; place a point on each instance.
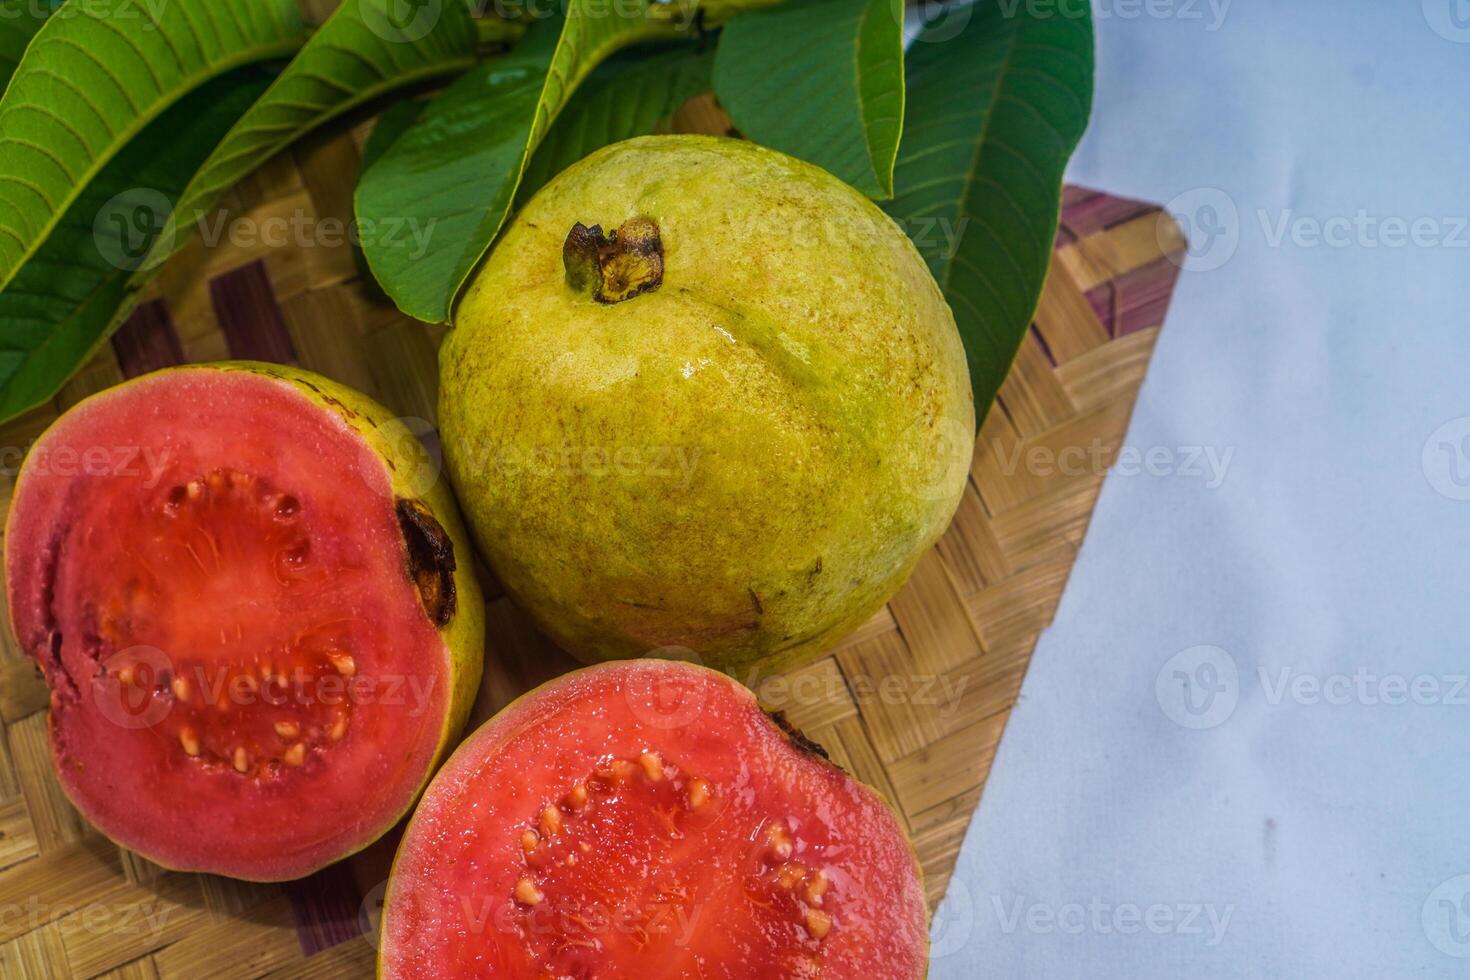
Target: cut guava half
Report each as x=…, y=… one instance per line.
x=253, y=605
x=646, y=819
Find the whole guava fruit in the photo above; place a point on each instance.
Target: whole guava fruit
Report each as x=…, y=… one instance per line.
x=703, y=395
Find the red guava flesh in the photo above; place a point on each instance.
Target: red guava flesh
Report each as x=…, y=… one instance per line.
x=646, y=819
x=209, y=567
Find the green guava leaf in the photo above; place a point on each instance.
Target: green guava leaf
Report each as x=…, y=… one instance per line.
x=822, y=80
x=453, y=174
x=391, y=123
x=629, y=95
x=998, y=97
x=61, y=303
x=94, y=76
x=19, y=22
x=358, y=55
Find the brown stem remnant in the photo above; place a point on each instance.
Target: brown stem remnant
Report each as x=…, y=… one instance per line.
x=617, y=267
x=431, y=561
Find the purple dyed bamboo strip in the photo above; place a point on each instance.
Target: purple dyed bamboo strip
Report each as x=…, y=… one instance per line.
x=1140, y=298
x=147, y=341
x=326, y=908
x=1099, y=212
x=245, y=305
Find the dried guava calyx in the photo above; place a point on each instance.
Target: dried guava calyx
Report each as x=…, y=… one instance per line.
x=648, y=819
x=617, y=267
x=252, y=621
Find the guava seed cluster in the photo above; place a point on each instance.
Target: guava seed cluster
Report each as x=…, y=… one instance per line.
x=214, y=539
x=649, y=807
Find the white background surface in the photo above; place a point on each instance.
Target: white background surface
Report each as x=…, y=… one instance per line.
x=1287, y=834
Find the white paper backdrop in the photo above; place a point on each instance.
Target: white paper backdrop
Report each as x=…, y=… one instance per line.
x=1243, y=749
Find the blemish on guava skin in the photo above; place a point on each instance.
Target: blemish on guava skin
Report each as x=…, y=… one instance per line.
x=795, y=737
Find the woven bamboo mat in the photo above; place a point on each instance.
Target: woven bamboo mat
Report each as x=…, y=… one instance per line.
x=914, y=703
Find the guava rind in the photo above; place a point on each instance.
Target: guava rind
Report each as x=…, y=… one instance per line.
x=746, y=462
x=377, y=436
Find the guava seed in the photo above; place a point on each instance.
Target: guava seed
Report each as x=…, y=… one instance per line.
x=779, y=840
x=527, y=893
x=698, y=793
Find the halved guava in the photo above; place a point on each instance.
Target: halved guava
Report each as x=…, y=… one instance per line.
x=646, y=819
x=254, y=606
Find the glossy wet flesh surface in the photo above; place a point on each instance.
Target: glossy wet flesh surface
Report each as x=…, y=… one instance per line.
x=185, y=646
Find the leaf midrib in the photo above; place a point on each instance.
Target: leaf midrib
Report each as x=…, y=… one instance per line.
x=139, y=122
x=963, y=199
x=586, y=61
x=869, y=10
x=365, y=95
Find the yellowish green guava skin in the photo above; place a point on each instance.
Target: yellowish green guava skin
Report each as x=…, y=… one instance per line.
x=745, y=462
